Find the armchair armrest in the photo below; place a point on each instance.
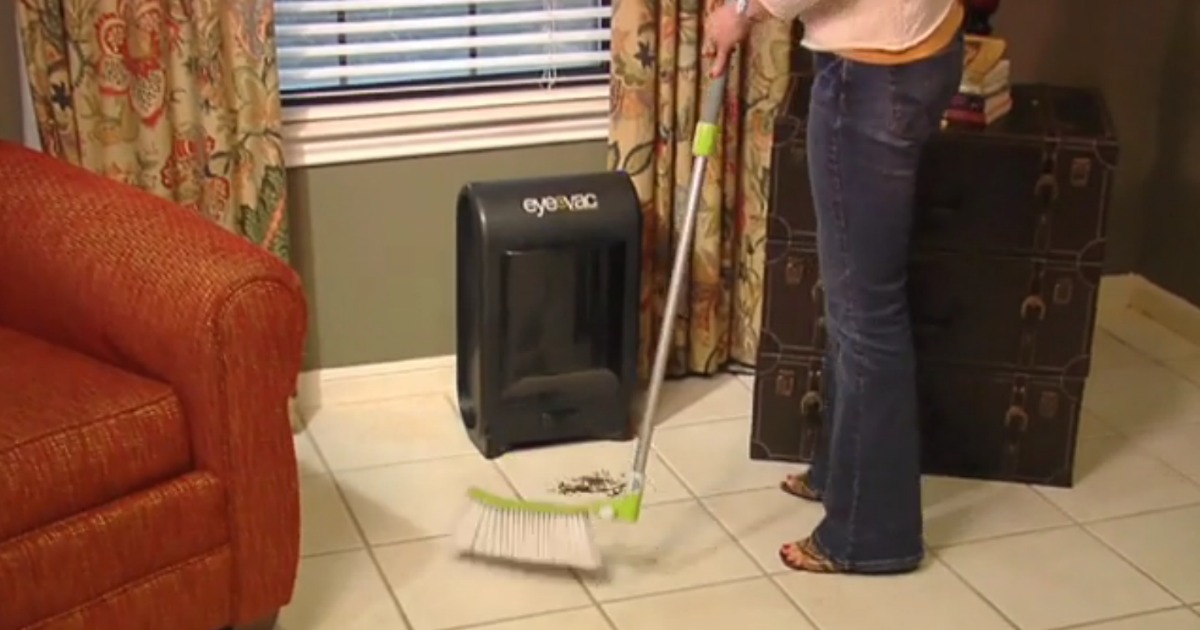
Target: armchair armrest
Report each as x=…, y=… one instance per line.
x=140, y=283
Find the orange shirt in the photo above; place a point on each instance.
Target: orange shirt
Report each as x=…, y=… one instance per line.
x=941, y=37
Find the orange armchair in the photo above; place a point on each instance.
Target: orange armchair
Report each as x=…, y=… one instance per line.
x=147, y=473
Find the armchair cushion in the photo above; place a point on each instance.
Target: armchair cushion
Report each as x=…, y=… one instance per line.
x=156, y=313
x=66, y=574
x=76, y=433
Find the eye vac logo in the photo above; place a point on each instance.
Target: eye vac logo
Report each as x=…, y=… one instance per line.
x=577, y=202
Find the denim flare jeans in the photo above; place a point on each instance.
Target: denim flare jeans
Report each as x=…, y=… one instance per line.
x=867, y=127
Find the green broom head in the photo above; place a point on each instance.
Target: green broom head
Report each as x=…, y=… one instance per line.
x=626, y=507
x=540, y=532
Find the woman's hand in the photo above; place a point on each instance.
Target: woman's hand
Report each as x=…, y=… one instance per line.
x=724, y=29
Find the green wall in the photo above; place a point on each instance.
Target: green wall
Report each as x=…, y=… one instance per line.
x=375, y=244
x=10, y=94
x=374, y=241
x=1119, y=46
x=1170, y=252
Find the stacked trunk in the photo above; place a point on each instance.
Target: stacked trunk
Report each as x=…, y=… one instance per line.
x=1009, y=250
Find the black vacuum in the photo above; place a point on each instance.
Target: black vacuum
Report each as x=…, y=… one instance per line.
x=548, y=274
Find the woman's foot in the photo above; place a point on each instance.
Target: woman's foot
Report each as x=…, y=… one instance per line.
x=803, y=555
x=800, y=486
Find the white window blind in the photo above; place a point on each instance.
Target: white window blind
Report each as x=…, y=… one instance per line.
x=355, y=47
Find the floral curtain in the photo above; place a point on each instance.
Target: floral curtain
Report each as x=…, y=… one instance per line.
x=178, y=97
x=659, y=77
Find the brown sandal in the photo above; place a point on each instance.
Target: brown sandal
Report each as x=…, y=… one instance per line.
x=803, y=555
x=799, y=486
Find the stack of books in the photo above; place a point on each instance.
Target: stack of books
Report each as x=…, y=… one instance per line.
x=984, y=96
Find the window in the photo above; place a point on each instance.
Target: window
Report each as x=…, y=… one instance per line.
x=366, y=79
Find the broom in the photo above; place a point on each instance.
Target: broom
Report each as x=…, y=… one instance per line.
x=561, y=534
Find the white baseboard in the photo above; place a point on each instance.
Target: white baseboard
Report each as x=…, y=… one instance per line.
x=377, y=381
x=1116, y=291
x=1135, y=292
x=1171, y=311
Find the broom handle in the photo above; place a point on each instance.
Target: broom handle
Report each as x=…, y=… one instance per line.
x=704, y=144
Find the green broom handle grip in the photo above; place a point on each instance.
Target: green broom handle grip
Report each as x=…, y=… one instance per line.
x=708, y=127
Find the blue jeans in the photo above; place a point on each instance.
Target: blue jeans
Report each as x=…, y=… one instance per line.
x=867, y=127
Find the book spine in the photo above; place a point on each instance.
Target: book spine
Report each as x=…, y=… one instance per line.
x=969, y=102
x=972, y=118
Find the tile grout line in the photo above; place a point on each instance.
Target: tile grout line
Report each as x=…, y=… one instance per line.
x=775, y=577
x=666, y=462
x=1073, y=523
x=1128, y=442
x=441, y=395
x=663, y=425
x=770, y=577
x=999, y=537
x=1082, y=525
x=1127, y=435
x=616, y=600
x=1130, y=439
x=403, y=462
x=1129, y=561
x=1122, y=342
x=1162, y=362
x=1088, y=624
x=574, y=574
x=362, y=536
x=378, y=566
x=728, y=493
x=978, y=593
x=599, y=606
x=546, y=613
x=1150, y=512
x=762, y=570
x=1143, y=313
x=1045, y=499
x=332, y=552
x=681, y=590
x=1147, y=355
x=373, y=401
x=612, y=623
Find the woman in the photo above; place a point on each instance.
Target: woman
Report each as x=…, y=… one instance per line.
x=886, y=71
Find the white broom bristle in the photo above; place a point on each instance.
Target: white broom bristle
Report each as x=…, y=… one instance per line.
x=528, y=536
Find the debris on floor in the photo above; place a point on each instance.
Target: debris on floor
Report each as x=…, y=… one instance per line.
x=599, y=482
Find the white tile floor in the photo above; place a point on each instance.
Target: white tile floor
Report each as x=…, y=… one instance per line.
x=383, y=483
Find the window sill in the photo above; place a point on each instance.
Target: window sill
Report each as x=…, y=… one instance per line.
x=345, y=134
